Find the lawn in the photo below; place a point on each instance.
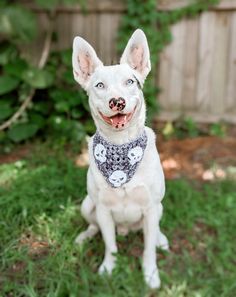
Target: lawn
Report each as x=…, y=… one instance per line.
x=39, y=220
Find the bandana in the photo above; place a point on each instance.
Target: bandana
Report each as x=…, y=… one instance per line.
x=118, y=163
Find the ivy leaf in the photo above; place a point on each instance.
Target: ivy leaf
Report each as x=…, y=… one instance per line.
x=38, y=78
x=7, y=53
x=47, y=4
x=77, y=113
x=22, y=132
x=90, y=127
x=68, y=77
x=66, y=57
x=37, y=119
x=17, y=23
x=5, y=110
x=53, y=3
x=8, y=84
x=62, y=106
x=16, y=68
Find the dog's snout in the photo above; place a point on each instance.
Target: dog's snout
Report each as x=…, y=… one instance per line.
x=117, y=104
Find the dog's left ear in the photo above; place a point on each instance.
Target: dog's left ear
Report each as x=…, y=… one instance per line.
x=136, y=54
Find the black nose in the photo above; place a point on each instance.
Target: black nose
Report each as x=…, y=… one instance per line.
x=117, y=104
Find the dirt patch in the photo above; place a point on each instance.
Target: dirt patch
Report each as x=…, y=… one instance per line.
x=203, y=158
x=196, y=247
x=36, y=247
x=18, y=153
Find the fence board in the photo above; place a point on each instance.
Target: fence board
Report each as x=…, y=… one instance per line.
x=190, y=65
x=177, y=65
x=164, y=76
x=105, y=40
x=205, y=60
x=231, y=79
x=220, y=52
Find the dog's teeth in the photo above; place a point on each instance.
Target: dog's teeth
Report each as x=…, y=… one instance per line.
x=125, y=118
x=111, y=120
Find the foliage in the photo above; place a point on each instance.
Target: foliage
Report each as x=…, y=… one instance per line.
x=40, y=218
x=156, y=25
x=16, y=23
x=58, y=108
x=218, y=129
x=188, y=127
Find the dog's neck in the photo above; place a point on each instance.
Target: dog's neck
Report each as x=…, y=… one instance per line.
x=122, y=136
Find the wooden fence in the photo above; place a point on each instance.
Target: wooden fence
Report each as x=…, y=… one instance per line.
x=197, y=71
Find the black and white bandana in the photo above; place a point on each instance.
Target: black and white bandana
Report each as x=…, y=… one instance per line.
x=118, y=163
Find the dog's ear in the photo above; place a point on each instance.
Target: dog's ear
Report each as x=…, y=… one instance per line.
x=137, y=54
x=84, y=61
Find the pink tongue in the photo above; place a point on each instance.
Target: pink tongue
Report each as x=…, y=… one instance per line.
x=118, y=120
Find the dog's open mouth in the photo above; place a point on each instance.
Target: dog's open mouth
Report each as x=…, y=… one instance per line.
x=119, y=120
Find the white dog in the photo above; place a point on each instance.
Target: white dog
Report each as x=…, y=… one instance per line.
x=125, y=181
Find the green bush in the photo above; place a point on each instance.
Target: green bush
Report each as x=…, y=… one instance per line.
x=57, y=107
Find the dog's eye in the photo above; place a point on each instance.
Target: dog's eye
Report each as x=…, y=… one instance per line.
x=100, y=85
x=129, y=82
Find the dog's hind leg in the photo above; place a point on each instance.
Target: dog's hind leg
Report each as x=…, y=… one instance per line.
x=162, y=241
x=88, y=211
x=90, y=232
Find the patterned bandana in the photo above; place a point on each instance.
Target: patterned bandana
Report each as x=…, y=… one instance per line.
x=118, y=163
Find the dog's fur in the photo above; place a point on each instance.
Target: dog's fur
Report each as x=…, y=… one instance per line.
x=137, y=204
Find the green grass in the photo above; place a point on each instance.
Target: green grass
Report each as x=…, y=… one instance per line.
x=39, y=220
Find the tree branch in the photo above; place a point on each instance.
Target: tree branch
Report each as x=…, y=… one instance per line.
x=42, y=62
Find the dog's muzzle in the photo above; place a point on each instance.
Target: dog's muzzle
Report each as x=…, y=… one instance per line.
x=117, y=104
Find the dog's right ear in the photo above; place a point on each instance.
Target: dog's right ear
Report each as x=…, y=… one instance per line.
x=137, y=55
x=84, y=61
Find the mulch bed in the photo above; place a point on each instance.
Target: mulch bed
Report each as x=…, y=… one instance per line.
x=198, y=158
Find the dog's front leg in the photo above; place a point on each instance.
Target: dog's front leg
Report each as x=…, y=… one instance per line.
x=150, y=221
x=107, y=227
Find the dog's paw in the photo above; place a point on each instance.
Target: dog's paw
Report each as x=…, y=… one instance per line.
x=152, y=279
x=107, y=267
x=162, y=242
x=81, y=238
x=87, y=234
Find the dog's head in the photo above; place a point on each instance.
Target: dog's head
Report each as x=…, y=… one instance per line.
x=115, y=92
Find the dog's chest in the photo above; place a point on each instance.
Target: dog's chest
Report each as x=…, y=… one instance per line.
x=127, y=206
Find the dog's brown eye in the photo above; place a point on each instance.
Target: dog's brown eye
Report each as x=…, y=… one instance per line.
x=129, y=82
x=100, y=85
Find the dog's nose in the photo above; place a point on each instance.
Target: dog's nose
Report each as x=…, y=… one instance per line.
x=117, y=104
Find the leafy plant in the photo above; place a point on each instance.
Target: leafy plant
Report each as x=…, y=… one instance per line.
x=186, y=127
x=218, y=129
x=41, y=98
